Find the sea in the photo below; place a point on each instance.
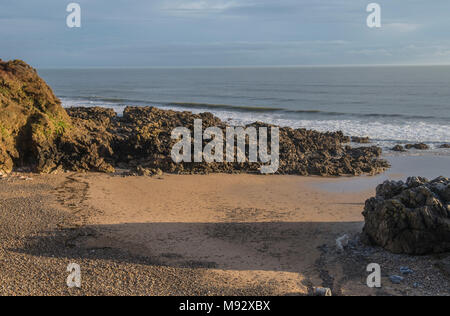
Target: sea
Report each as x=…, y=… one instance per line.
x=390, y=104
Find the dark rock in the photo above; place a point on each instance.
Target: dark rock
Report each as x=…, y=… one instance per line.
x=420, y=146
x=31, y=117
x=410, y=218
x=36, y=131
x=399, y=148
x=444, y=266
x=142, y=137
x=361, y=140
x=322, y=291
x=395, y=279
x=6, y=163
x=406, y=271
x=146, y=172
x=444, y=146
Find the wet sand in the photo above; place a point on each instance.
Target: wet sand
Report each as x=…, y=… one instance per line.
x=422, y=164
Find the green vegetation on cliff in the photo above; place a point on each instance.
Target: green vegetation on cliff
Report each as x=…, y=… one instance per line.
x=29, y=111
x=37, y=132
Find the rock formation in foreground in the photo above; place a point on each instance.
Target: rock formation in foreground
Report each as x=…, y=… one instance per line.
x=410, y=218
x=30, y=115
x=36, y=131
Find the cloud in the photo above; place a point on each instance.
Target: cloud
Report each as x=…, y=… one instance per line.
x=443, y=53
x=401, y=27
x=223, y=32
x=201, y=6
x=371, y=52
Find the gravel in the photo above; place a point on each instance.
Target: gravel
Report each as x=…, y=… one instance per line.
x=37, y=236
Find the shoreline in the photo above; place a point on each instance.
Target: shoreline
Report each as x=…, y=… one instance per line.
x=425, y=165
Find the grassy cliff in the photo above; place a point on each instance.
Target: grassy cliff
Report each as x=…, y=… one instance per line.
x=31, y=116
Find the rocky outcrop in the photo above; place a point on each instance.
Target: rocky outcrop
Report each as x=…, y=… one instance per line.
x=89, y=144
x=410, y=218
x=398, y=148
x=361, y=140
x=31, y=117
x=420, y=146
x=36, y=131
x=142, y=138
x=6, y=163
x=445, y=146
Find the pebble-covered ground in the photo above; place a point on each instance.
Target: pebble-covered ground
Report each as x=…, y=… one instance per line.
x=35, y=249
x=41, y=221
x=401, y=275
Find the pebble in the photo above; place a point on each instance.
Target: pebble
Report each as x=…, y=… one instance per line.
x=342, y=242
x=322, y=291
x=406, y=270
x=396, y=279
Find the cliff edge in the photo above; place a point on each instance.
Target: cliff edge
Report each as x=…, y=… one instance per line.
x=35, y=130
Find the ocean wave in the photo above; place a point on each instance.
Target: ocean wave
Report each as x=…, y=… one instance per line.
x=287, y=111
x=120, y=103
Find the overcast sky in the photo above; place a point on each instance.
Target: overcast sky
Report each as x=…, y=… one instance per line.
x=139, y=33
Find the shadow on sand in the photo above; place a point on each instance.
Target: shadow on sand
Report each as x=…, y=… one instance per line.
x=274, y=246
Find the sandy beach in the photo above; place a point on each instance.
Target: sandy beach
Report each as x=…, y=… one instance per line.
x=194, y=235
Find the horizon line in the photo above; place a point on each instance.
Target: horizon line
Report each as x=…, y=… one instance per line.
x=244, y=66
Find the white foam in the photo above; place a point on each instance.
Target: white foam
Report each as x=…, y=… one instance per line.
x=400, y=131
x=67, y=103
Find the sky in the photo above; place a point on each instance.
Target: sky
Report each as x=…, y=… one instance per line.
x=206, y=33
